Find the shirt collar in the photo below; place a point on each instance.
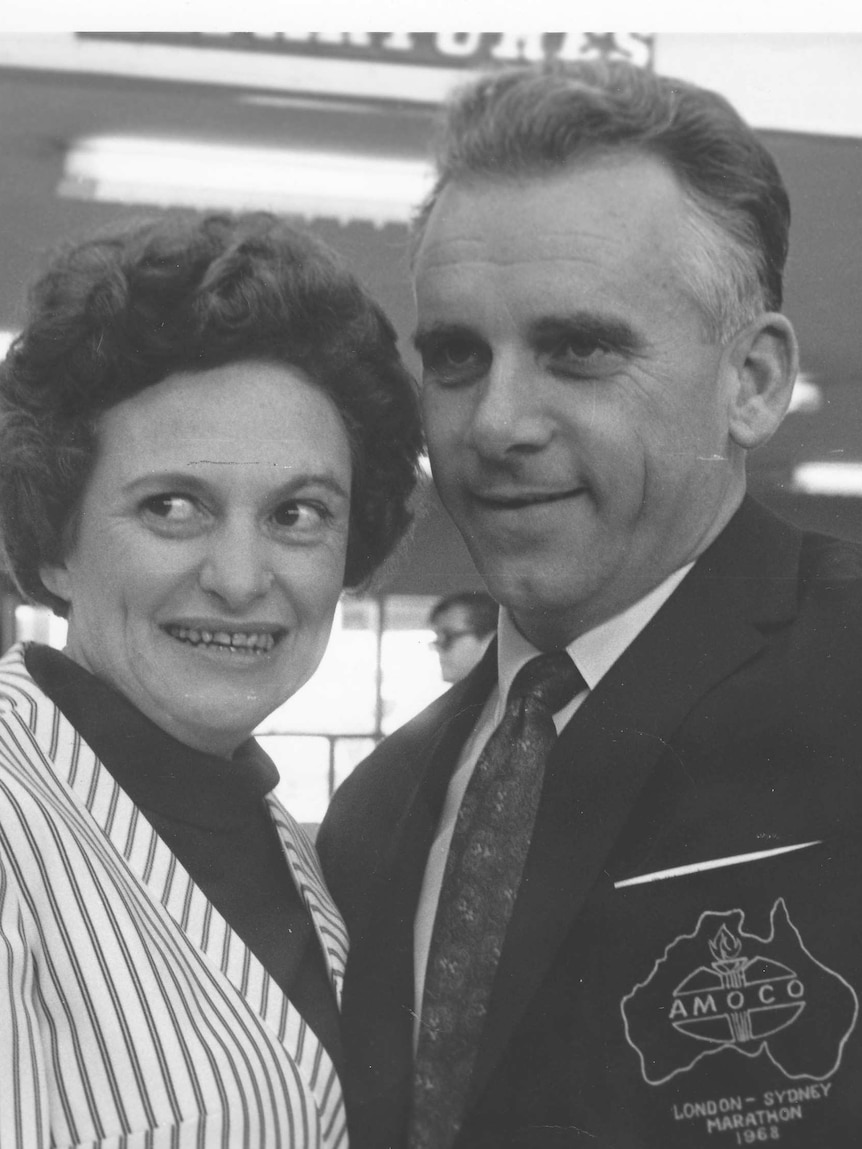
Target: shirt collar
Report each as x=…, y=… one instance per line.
x=594, y=652
x=158, y=772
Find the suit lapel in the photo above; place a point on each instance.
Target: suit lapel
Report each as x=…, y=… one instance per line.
x=606, y=754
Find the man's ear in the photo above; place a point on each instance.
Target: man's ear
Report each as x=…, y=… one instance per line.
x=56, y=579
x=764, y=358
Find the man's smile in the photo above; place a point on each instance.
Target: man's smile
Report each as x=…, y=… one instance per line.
x=508, y=501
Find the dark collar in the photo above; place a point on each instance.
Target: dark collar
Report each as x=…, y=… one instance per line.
x=156, y=771
x=753, y=565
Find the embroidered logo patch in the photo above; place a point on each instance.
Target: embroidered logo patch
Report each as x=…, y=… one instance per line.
x=722, y=988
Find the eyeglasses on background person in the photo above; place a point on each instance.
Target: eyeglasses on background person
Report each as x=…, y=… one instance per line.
x=464, y=624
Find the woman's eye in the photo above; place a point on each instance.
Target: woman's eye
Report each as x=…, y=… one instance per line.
x=171, y=508
x=300, y=516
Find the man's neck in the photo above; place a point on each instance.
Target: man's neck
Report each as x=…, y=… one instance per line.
x=596, y=649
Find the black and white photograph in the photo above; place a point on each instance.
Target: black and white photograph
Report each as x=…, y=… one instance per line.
x=430, y=579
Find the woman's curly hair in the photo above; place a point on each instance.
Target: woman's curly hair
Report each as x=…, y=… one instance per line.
x=130, y=306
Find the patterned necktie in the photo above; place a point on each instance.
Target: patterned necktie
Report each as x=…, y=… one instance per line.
x=480, y=883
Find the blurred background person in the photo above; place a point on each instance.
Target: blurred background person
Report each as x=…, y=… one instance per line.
x=207, y=432
x=464, y=624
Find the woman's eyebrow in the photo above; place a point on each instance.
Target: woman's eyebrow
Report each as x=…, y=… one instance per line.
x=317, y=479
x=187, y=480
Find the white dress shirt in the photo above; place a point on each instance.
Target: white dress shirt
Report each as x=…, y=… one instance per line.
x=594, y=653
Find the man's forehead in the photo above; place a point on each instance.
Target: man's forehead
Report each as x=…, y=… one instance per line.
x=605, y=200
x=601, y=240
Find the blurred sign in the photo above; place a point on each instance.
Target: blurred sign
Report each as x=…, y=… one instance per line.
x=410, y=67
x=426, y=49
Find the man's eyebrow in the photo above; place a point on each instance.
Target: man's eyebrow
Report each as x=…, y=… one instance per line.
x=606, y=329
x=603, y=328
x=435, y=331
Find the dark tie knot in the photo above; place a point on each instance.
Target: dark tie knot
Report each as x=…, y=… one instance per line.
x=551, y=678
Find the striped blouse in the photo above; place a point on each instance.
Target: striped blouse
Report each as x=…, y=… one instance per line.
x=130, y=1013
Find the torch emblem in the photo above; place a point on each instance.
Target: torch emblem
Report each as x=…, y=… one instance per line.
x=736, y=999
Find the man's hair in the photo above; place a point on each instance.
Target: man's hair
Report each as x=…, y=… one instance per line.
x=480, y=607
x=526, y=122
x=125, y=309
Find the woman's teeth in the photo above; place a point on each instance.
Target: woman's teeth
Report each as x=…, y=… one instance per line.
x=238, y=640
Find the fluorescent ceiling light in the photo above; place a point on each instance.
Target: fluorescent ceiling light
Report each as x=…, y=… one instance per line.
x=6, y=338
x=828, y=478
x=806, y=395
x=176, y=173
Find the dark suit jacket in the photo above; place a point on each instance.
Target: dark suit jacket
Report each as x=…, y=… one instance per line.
x=710, y=1008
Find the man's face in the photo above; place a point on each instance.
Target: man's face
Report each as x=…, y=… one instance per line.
x=577, y=416
x=458, y=646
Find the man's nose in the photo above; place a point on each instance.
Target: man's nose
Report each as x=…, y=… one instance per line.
x=509, y=415
x=236, y=568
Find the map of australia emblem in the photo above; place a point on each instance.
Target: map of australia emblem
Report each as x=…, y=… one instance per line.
x=724, y=988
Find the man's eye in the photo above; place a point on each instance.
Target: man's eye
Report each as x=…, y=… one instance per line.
x=583, y=354
x=455, y=358
x=301, y=516
x=171, y=508
x=580, y=348
x=457, y=352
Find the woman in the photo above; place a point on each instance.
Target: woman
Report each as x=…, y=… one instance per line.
x=206, y=433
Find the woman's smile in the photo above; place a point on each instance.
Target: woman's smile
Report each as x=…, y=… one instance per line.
x=219, y=639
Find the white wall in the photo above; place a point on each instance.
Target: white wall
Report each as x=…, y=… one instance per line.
x=800, y=82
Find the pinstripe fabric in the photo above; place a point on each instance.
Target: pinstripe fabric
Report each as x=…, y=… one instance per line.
x=130, y=1013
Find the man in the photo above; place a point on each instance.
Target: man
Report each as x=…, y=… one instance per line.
x=464, y=624
x=598, y=277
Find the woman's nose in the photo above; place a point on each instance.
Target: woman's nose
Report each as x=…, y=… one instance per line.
x=236, y=567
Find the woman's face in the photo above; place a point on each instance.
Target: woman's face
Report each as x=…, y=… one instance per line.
x=210, y=551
